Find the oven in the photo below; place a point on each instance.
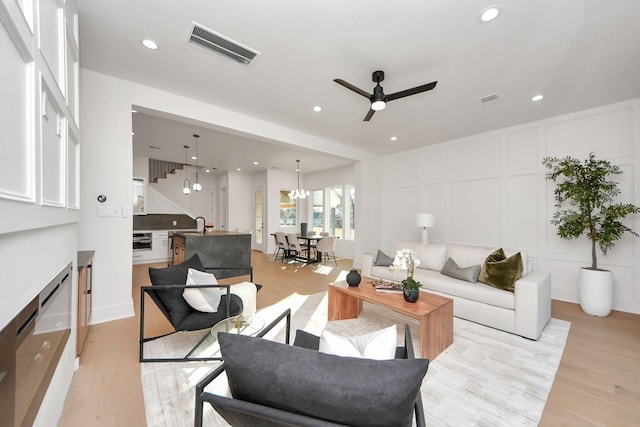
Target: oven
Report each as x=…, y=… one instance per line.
x=142, y=242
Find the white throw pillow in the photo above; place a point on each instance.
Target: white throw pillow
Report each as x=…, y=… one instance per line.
x=378, y=345
x=202, y=299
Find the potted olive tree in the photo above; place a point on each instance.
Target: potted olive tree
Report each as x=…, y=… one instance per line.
x=585, y=205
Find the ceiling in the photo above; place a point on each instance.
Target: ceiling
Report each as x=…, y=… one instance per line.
x=577, y=53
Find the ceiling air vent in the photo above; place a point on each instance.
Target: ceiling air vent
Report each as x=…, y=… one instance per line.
x=205, y=38
x=488, y=98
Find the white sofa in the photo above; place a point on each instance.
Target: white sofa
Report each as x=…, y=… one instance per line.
x=524, y=312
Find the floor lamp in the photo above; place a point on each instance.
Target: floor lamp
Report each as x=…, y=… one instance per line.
x=424, y=220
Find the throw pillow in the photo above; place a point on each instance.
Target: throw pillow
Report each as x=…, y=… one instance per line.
x=383, y=259
x=377, y=345
x=501, y=272
x=202, y=299
x=468, y=274
x=171, y=300
x=346, y=390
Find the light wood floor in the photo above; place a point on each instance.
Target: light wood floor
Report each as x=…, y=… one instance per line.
x=598, y=382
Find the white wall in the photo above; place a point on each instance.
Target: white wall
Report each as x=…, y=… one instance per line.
x=39, y=165
x=490, y=189
x=240, y=196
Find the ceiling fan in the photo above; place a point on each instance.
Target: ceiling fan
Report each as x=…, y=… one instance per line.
x=378, y=98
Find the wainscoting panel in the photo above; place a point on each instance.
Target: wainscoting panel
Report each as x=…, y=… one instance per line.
x=520, y=224
x=51, y=40
x=521, y=149
x=608, y=134
x=473, y=156
x=73, y=171
x=17, y=165
x=474, y=212
x=401, y=213
x=52, y=146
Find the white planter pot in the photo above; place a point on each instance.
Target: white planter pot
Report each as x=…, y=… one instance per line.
x=596, y=292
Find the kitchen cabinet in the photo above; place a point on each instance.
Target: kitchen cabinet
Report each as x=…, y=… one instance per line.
x=85, y=269
x=178, y=249
x=159, y=251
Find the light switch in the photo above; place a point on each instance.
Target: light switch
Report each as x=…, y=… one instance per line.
x=109, y=211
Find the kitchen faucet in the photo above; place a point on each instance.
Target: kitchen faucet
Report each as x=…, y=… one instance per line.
x=204, y=223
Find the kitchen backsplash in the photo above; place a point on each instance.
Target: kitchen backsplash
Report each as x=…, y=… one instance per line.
x=163, y=222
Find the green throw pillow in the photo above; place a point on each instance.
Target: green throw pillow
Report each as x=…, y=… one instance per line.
x=501, y=272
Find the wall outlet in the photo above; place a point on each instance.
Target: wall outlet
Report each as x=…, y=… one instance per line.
x=175, y=222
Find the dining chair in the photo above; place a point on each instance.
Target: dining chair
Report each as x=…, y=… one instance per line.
x=282, y=245
x=326, y=246
x=295, y=246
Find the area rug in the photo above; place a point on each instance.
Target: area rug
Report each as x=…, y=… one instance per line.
x=485, y=378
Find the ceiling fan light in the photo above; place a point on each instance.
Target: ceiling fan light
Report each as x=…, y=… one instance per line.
x=378, y=105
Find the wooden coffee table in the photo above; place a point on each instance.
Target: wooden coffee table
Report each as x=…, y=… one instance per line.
x=434, y=312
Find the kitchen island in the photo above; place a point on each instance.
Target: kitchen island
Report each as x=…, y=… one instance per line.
x=216, y=249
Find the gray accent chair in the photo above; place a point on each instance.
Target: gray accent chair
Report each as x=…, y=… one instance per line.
x=241, y=412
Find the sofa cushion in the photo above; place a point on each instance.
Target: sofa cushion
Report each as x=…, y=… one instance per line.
x=378, y=345
x=468, y=274
x=383, y=259
x=346, y=390
x=467, y=255
x=431, y=256
x=202, y=299
x=501, y=272
x=479, y=292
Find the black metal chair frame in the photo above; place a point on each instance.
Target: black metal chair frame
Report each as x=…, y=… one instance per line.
x=220, y=369
x=186, y=358
x=201, y=395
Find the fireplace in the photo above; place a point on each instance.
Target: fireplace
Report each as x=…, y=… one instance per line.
x=30, y=348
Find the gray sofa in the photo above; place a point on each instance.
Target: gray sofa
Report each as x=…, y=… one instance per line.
x=525, y=311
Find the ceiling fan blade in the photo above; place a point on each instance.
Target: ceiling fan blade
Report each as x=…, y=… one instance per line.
x=412, y=91
x=369, y=115
x=352, y=87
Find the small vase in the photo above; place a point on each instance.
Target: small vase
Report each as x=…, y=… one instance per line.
x=353, y=278
x=411, y=295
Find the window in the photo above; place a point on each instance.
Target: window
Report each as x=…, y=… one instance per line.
x=335, y=211
x=350, y=230
x=287, y=209
x=317, y=197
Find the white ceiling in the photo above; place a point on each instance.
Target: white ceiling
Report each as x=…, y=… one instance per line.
x=578, y=53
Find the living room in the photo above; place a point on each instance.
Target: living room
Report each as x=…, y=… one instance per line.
x=484, y=188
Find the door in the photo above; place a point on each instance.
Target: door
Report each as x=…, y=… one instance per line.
x=258, y=223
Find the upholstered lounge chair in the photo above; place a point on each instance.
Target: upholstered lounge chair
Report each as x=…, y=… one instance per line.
x=310, y=388
x=166, y=290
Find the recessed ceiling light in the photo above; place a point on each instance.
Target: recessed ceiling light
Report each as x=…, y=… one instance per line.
x=317, y=108
x=255, y=163
x=239, y=170
x=134, y=111
x=394, y=138
x=537, y=98
x=207, y=170
x=490, y=13
x=194, y=158
x=150, y=44
x=132, y=133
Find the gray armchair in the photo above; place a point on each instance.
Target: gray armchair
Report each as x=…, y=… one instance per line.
x=315, y=389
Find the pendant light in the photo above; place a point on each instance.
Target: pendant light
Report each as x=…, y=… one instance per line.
x=187, y=184
x=298, y=193
x=197, y=186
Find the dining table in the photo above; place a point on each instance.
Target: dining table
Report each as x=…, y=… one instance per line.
x=310, y=242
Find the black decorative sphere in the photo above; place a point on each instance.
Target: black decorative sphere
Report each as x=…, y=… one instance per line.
x=353, y=278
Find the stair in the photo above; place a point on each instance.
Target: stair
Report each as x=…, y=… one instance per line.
x=160, y=169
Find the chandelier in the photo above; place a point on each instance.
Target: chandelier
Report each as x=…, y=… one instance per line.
x=298, y=193
x=186, y=188
x=197, y=186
